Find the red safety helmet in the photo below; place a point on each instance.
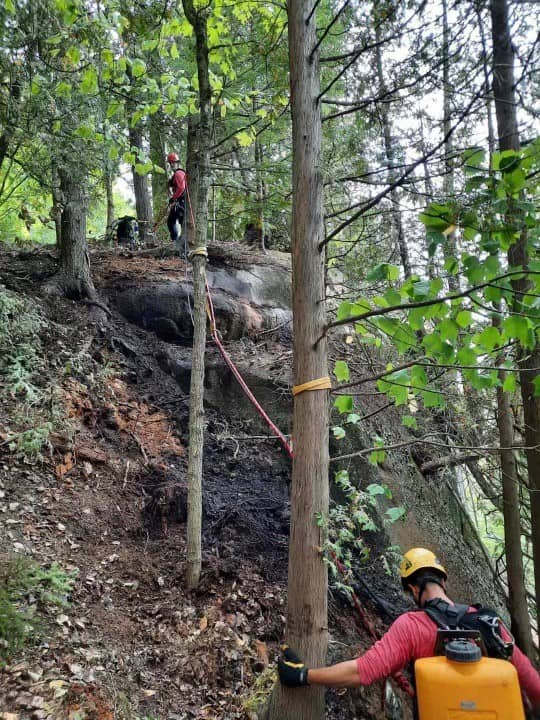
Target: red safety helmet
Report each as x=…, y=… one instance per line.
x=172, y=158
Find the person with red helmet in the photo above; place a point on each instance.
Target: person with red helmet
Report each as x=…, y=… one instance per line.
x=177, y=199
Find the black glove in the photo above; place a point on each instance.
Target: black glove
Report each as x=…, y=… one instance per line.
x=292, y=671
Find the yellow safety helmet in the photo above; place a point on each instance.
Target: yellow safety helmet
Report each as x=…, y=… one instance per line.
x=419, y=559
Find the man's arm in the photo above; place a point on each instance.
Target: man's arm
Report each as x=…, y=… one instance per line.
x=343, y=674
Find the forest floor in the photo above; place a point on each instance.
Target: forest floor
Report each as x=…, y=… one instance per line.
x=107, y=501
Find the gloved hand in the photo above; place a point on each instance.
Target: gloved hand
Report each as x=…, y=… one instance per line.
x=291, y=669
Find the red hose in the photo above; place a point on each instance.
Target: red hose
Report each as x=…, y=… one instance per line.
x=273, y=427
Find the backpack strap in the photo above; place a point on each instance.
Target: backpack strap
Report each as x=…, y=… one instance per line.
x=444, y=615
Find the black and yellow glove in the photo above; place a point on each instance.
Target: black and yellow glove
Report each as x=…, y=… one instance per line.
x=292, y=671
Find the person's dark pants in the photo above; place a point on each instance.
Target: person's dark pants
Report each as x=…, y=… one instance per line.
x=176, y=218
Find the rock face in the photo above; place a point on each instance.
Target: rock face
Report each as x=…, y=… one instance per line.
x=250, y=294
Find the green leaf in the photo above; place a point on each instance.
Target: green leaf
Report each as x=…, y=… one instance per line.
x=395, y=513
x=448, y=330
x=377, y=457
x=510, y=383
x=383, y=271
x=489, y=338
x=245, y=139
x=509, y=161
x=433, y=399
x=89, y=81
x=464, y=318
x=338, y=432
x=519, y=328
x=536, y=383
x=353, y=419
x=473, y=158
x=138, y=67
x=421, y=289
x=344, y=403
x=409, y=421
x=437, y=217
x=341, y=371
x=375, y=489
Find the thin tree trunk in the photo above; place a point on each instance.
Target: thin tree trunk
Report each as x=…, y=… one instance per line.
x=507, y=128
x=449, y=245
x=157, y=156
x=56, y=204
x=517, y=599
x=389, y=143
x=307, y=624
x=198, y=19
x=108, y=179
x=260, y=193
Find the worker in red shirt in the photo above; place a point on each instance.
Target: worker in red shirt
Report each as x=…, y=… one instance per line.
x=411, y=637
x=177, y=199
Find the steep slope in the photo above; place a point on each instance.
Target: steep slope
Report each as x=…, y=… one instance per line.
x=108, y=500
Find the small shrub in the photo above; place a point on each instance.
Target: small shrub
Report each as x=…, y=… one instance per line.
x=27, y=592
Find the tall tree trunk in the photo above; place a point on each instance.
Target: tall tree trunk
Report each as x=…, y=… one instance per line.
x=507, y=128
x=192, y=172
x=157, y=156
x=517, y=598
x=201, y=159
x=143, y=201
x=308, y=579
x=73, y=275
x=391, y=162
x=449, y=245
x=260, y=193
x=109, y=194
x=56, y=210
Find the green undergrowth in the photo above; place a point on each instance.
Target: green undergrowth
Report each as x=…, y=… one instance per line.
x=260, y=692
x=27, y=379
x=28, y=593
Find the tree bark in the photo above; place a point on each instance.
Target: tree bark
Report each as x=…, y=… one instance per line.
x=517, y=598
x=307, y=629
x=108, y=180
x=73, y=274
x=201, y=159
x=508, y=135
x=157, y=156
x=449, y=244
x=143, y=202
x=391, y=177
x=192, y=172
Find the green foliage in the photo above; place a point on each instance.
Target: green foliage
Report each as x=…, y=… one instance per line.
x=22, y=366
x=27, y=592
x=350, y=519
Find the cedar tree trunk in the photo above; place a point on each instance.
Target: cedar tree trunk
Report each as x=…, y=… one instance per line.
x=307, y=630
x=507, y=128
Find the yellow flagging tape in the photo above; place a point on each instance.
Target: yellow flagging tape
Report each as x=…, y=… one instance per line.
x=449, y=230
x=198, y=251
x=319, y=384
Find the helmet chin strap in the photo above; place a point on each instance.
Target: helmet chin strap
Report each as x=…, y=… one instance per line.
x=427, y=580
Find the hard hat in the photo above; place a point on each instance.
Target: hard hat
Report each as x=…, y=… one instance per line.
x=419, y=559
x=172, y=158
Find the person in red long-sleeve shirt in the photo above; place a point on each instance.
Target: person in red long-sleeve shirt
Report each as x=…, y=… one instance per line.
x=411, y=637
x=177, y=199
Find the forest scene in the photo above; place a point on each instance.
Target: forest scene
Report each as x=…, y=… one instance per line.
x=269, y=338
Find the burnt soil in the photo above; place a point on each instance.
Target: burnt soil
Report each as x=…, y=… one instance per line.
x=109, y=501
